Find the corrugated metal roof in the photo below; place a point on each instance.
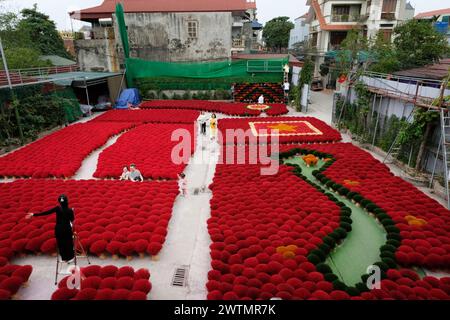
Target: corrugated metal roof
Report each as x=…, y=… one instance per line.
x=66, y=79
x=58, y=61
x=436, y=71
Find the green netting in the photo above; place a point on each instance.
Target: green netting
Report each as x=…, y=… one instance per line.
x=70, y=104
x=139, y=68
x=122, y=29
x=243, y=69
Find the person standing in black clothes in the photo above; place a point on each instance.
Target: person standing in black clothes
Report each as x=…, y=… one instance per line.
x=202, y=120
x=63, y=227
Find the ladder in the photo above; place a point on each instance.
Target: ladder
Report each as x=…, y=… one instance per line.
x=444, y=147
x=79, y=252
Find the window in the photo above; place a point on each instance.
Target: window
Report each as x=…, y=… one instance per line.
x=346, y=13
x=387, y=34
x=341, y=10
x=389, y=6
x=193, y=29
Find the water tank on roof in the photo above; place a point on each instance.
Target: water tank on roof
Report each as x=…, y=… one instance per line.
x=441, y=27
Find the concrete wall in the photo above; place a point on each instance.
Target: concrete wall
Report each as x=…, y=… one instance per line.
x=164, y=36
x=374, y=22
x=98, y=54
x=388, y=107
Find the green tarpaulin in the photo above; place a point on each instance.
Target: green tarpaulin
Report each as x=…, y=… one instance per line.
x=122, y=29
x=141, y=69
x=207, y=70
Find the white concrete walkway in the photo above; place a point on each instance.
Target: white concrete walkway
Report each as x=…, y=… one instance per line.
x=187, y=242
x=89, y=165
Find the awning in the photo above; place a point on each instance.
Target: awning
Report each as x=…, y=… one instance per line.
x=256, y=25
x=363, y=56
x=79, y=78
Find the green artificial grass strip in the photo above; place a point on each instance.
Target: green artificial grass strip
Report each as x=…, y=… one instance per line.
x=361, y=247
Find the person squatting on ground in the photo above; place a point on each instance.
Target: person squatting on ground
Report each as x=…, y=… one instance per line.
x=182, y=184
x=63, y=228
x=125, y=174
x=135, y=174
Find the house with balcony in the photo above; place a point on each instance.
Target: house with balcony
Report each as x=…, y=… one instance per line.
x=167, y=30
x=331, y=20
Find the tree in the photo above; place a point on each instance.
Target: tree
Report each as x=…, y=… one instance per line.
x=276, y=33
x=417, y=44
x=384, y=53
x=306, y=76
x=42, y=32
x=11, y=36
x=351, y=47
x=22, y=58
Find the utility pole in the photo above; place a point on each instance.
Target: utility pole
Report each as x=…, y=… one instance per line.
x=16, y=111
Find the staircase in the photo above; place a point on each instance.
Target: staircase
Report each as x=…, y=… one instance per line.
x=250, y=92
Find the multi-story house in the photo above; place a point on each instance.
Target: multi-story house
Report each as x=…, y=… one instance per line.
x=331, y=20
x=168, y=30
x=300, y=32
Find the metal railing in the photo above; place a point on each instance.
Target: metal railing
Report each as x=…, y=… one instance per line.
x=254, y=66
x=390, y=16
x=22, y=76
x=409, y=89
x=345, y=18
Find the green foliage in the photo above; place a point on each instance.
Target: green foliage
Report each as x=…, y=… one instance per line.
x=306, y=76
x=277, y=32
x=295, y=93
x=417, y=43
x=187, y=95
x=414, y=131
x=385, y=55
x=42, y=32
x=222, y=94
x=28, y=36
x=394, y=126
x=22, y=58
x=354, y=43
x=39, y=110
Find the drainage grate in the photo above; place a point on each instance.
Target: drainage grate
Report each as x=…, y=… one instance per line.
x=180, y=276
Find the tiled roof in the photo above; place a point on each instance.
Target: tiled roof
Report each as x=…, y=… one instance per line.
x=436, y=71
x=431, y=14
x=109, y=6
